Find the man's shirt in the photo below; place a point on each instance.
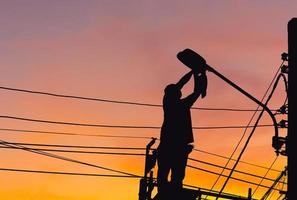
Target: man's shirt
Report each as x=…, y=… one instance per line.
x=176, y=130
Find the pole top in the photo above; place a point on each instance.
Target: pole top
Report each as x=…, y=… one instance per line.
x=292, y=22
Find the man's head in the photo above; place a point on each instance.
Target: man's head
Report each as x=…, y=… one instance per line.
x=173, y=92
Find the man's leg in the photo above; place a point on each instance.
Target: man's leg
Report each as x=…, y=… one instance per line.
x=179, y=170
x=162, y=176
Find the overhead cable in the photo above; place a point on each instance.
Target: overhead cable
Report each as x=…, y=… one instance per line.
x=65, y=158
x=245, y=130
x=78, y=151
x=120, y=126
x=66, y=173
x=251, y=134
x=115, y=101
x=74, y=134
x=237, y=179
x=125, y=137
x=262, y=179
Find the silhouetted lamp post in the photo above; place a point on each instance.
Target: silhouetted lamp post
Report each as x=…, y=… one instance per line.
x=197, y=63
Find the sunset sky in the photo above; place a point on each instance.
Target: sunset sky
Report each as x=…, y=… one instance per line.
x=126, y=51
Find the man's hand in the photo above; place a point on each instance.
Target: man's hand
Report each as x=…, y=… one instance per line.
x=202, y=83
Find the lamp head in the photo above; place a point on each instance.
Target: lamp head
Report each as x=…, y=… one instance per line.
x=192, y=60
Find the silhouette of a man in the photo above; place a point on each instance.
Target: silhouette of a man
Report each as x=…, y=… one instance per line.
x=176, y=133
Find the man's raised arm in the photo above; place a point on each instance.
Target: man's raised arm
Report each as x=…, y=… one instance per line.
x=184, y=80
x=200, y=80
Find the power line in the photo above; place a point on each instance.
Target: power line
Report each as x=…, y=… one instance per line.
x=211, y=172
x=79, y=151
x=115, y=101
x=207, y=190
x=272, y=193
x=279, y=197
x=238, y=171
x=268, y=170
x=274, y=184
x=77, y=124
x=110, y=153
x=74, y=134
x=76, y=146
x=237, y=179
x=65, y=173
x=125, y=137
x=120, y=126
x=65, y=158
x=245, y=130
x=282, y=188
x=78, y=174
x=225, y=157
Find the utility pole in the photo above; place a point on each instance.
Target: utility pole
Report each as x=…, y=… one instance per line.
x=292, y=111
x=146, y=183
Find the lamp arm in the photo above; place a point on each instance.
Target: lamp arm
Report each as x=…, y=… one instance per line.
x=275, y=124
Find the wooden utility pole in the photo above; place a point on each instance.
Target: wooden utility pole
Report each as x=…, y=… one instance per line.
x=292, y=111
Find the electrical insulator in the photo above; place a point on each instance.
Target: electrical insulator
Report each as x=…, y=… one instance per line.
x=283, y=110
x=283, y=124
x=284, y=56
x=285, y=69
x=277, y=143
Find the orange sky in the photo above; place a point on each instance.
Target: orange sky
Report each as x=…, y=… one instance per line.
x=126, y=51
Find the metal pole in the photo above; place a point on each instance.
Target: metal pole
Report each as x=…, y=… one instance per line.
x=144, y=183
x=292, y=113
x=250, y=194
